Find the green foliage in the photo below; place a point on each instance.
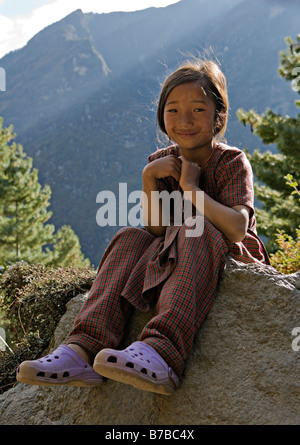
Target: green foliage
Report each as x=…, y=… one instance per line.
x=34, y=297
x=23, y=205
x=280, y=212
x=25, y=233
x=287, y=259
x=66, y=250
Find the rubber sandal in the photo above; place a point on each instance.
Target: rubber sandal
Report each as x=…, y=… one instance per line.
x=62, y=367
x=138, y=365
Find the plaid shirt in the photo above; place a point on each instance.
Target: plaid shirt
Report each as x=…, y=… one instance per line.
x=177, y=274
x=228, y=179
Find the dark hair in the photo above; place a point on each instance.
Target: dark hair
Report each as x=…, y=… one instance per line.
x=212, y=80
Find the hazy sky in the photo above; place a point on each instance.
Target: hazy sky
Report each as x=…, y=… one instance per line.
x=22, y=19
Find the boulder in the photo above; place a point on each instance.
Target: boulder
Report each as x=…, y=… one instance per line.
x=244, y=369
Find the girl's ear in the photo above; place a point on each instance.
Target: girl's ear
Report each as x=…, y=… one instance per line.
x=219, y=120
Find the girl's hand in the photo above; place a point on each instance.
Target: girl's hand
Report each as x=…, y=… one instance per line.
x=160, y=168
x=190, y=174
x=164, y=167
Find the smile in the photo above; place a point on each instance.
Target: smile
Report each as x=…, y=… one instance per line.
x=187, y=135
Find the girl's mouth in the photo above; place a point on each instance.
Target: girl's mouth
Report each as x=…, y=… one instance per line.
x=187, y=134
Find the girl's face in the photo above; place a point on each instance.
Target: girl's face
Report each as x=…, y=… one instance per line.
x=189, y=116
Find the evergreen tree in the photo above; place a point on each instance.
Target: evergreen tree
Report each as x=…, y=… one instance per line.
x=23, y=204
x=25, y=233
x=276, y=171
x=66, y=250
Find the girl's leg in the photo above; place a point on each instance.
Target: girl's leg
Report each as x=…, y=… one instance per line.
x=101, y=321
x=187, y=296
x=155, y=363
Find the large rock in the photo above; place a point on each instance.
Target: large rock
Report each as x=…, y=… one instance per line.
x=244, y=368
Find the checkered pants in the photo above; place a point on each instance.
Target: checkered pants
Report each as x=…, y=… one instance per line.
x=176, y=273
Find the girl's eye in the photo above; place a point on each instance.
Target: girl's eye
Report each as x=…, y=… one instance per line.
x=172, y=110
x=198, y=110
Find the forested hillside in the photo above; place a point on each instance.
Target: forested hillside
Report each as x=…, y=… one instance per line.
x=81, y=94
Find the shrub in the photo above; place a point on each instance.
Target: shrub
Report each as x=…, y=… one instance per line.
x=33, y=299
x=287, y=259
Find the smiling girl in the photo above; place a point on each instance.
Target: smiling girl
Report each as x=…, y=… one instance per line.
x=159, y=266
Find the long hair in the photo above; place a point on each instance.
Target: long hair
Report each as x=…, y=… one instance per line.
x=211, y=79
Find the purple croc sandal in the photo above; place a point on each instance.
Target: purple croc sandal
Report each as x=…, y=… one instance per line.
x=138, y=365
x=62, y=367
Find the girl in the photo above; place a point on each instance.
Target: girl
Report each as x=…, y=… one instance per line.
x=159, y=264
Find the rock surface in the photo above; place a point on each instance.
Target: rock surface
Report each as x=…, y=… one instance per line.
x=244, y=368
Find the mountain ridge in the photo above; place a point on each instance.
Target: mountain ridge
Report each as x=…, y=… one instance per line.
x=81, y=94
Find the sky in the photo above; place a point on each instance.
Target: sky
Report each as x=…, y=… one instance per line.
x=22, y=19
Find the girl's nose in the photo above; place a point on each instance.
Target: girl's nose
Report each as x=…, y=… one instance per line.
x=186, y=118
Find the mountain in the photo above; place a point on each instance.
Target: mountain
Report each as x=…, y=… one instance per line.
x=81, y=94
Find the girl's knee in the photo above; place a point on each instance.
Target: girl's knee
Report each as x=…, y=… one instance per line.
x=133, y=232
x=209, y=239
x=203, y=229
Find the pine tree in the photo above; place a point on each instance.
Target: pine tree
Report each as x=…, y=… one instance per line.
x=25, y=233
x=275, y=171
x=66, y=250
x=23, y=204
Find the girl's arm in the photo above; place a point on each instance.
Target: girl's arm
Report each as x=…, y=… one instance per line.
x=232, y=222
x=159, y=168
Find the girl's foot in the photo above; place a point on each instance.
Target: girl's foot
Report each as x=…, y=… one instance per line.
x=138, y=365
x=62, y=367
x=83, y=353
